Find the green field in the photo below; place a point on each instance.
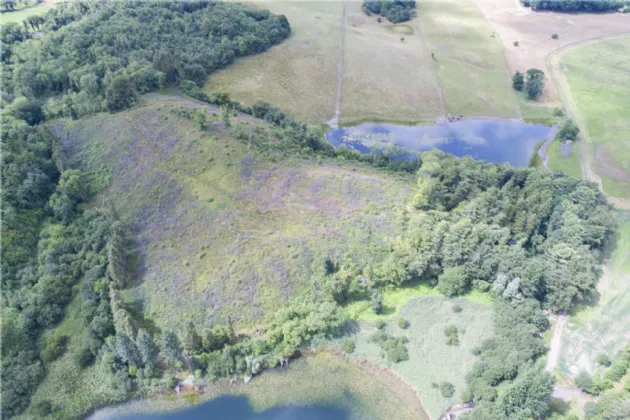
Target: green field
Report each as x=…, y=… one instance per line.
x=605, y=326
x=470, y=63
x=300, y=74
x=222, y=231
x=598, y=75
x=570, y=165
x=19, y=15
x=430, y=358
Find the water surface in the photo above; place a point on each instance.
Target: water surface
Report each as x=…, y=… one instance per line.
x=489, y=139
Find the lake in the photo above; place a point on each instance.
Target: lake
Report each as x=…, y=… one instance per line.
x=489, y=139
x=232, y=408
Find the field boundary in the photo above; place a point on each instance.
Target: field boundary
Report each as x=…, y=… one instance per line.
x=334, y=121
x=564, y=90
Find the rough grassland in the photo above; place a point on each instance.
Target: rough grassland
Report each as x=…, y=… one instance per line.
x=570, y=165
x=430, y=359
x=300, y=74
x=598, y=75
x=470, y=63
x=320, y=379
x=220, y=231
x=604, y=327
x=384, y=77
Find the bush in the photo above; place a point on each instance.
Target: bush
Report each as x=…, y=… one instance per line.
x=402, y=323
x=558, y=112
x=516, y=43
x=569, y=131
x=518, y=81
x=447, y=389
x=476, y=351
x=555, y=36
x=457, y=308
x=604, y=360
x=590, y=410
x=347, y=345
x=376, y=301
x=55, y=348
x=584, y=381
x=452, y=338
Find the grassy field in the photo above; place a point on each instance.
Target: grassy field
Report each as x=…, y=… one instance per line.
x=599, y=80
x=385, y=77
x=605, y=326
x=470, y=62
x=430, y=358
x=300, y=74
x=220, y=231
x=321, y=379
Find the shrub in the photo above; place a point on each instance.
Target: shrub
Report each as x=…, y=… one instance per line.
x=604, y=360
x=518, y=81
x=569, y=131
x=584, y=381
x=347, y=345
x=42, y=408
x=380, y=324
x=452, y=338
x=55, y=348
x=447, y=389
x=516, y=43
x=555, y=36
x=558, y=112
x=402, y=323
x=457, y=308
x=590, y=410
x=476, y=351
x=376, y=301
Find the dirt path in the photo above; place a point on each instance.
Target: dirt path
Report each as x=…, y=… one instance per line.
x=586, y=145
x=454, y=411
x=556, y=343
x=334, y=121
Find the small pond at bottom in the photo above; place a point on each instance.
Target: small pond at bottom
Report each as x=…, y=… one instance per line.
x=234, y=408
x=489, y=139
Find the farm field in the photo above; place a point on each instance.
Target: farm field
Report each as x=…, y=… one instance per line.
x=300, y=75
x=604, y=328
x=431, y=360
x=282, y=219
x=469, y=62
x=597, y=76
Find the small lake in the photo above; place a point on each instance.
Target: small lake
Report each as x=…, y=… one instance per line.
x=489, y=139
x=228, y=408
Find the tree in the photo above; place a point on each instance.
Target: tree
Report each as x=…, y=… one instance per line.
x=452, y=338
x=518, y=81
x=225, y=115
x=117, y=254
x=199, y=117
x=119, y=94
x=584, y=381
x=535, y=83
x=569, y=131
x=604, y=360
x=376, y=301
x=170, y=347
x=192, y=341
x=528, y=397
x=126, y=349
x=146, y=347
x=453, y=281
x=447, y=389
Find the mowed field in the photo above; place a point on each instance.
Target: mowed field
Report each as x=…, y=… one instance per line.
x=605, y=327
x=300, y=74
x=221, y=231
x=469, y=61
x=597, y=77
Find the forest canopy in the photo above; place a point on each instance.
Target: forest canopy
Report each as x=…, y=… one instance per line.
x=593, y=6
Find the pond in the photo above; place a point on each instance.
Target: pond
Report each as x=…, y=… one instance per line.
x=233, y=408
x=489, y=139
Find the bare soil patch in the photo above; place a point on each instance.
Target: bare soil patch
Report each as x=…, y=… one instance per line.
x=513, y=22
x=606, y=165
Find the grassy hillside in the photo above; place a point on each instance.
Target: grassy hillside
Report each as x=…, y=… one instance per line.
x=221, y=230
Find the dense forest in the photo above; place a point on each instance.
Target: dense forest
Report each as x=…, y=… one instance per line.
x=592, y=6
x=531, y=238
x=394, y=10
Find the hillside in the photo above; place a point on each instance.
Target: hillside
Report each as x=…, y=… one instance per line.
x=222, y=231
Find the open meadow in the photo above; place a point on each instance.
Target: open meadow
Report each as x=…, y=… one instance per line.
x=431, y=360
x=597, y=77
x=222, y=231
x=300, y=75
x=469, y=61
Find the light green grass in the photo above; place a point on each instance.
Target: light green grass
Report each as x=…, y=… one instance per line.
x=72, y=391
x=605, y=326
x=470, y=63
x=225, y=232
x=320, y=379
x=18, y=16
x=430, y=359
x=384, y=77
x=535, y=113
x=570, y=165
x=300, y=74
x=598, y=75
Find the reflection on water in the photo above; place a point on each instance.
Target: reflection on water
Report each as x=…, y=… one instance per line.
x=232, y=408
x=492, y=140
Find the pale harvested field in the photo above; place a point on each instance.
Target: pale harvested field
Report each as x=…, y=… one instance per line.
x=385, y=77
x=300, y=74
x=513, y=22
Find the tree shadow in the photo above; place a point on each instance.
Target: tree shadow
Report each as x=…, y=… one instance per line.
x=136, y=309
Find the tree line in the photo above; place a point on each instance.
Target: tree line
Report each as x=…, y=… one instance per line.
x=395, y=11
x=588, y=6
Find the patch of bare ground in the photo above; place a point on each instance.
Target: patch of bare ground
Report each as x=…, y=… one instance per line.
x=606, y=165
x=532, y=30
